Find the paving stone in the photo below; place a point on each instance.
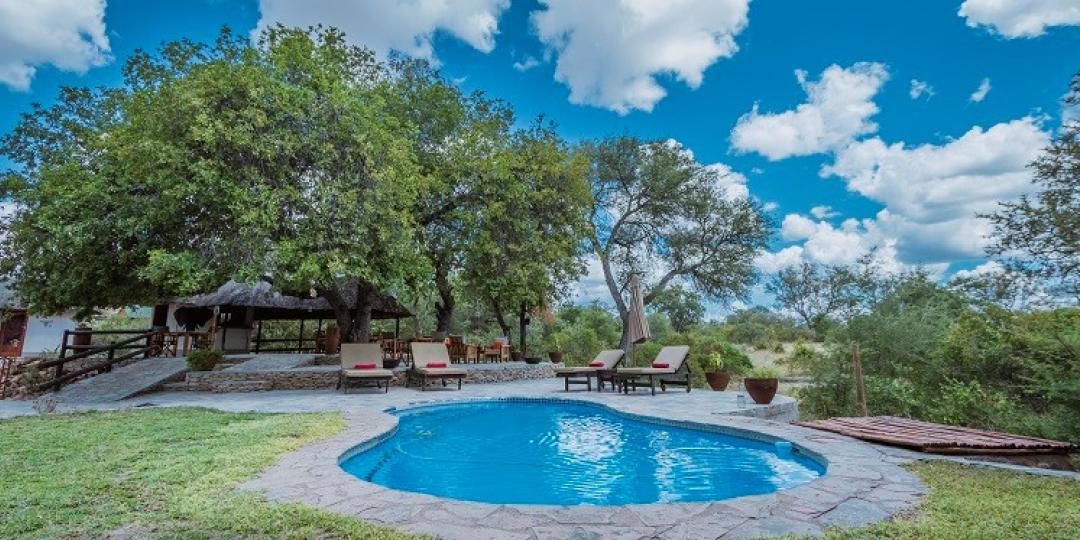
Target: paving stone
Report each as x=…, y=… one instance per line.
x=603, y=532
x=667, y=514
x=710, y=524
x=514, y=520
x=451, y=531
x=775, y=526
x=853, y=513
x=123, y=382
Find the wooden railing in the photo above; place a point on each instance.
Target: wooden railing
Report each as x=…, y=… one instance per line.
x=141, y=344
x=101, y=357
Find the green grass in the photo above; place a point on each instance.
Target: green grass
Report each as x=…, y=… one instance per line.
x=971, y=502
x=171, y=473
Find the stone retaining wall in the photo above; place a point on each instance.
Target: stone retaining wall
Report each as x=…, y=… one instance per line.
x=324, y=377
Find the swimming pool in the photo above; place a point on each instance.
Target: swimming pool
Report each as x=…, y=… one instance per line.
x=537, y=452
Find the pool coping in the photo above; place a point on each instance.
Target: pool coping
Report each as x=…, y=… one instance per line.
x=861, y=485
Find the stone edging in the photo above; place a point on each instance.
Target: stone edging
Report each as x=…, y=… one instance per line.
x=862, y=485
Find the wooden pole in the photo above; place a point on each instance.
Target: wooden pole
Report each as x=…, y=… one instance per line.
x=860, y=386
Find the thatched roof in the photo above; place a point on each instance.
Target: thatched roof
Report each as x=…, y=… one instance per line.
x=272, y=304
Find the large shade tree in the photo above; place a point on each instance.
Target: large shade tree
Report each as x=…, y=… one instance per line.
x=1039, y=236
x=816, y=292
x=280, y=159
x=660, y=213
x=526, y=243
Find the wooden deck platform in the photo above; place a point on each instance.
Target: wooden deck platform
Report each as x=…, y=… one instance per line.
x=938, y=438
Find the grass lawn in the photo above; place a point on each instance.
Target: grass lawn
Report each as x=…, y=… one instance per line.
x=168, y=473
x=171, y=473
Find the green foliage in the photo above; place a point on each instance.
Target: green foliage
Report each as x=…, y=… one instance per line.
x=170, y=472
x=1040, y=235
x=658, y=212
x=682, y=307
x=817, y=293
x=933, y=354
x=763, y=372
x=730, y=358
x=203, y=359
x=580, y=332
x=758, y=326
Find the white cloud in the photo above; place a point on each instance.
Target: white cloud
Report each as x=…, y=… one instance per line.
x=932, y=193
x=528, y=63
x=988, y=268
x=1020, y=18
x=67, y=34
x=407, y=26
x=770, y=206
x=838, y=110
x=823, y=212
x=732, y=182
x=770, y=262
x=980, y=93
x=610, y=52
x=920, y=89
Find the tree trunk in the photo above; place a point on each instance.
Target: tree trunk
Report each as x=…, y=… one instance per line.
x=444, y=307
x=500, y=318
x=365, y=297
x=342, y=312
x=523, y=323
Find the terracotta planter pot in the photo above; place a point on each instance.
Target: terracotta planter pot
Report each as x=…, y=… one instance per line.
x=555, y=356
x=761, y=390
x=718, y=380
x=532, y=359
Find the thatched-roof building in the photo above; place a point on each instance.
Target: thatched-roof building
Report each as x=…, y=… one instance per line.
x=240, y=310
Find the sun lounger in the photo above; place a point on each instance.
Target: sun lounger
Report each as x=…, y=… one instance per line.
x=605, y=361
x=361, y=365
x=670, y=368
x=432, y=361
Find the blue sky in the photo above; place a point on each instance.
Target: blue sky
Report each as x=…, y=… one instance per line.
x=838, y=122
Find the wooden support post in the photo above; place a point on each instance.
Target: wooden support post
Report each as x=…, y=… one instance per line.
x=300, y=340
x=258, y=338
x=860, y=386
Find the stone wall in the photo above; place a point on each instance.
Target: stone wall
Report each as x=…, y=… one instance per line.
x=326, y=377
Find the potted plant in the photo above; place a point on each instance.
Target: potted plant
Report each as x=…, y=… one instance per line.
x=204, y=359
x=556, y=353
x=724, y=362
x=761, y=384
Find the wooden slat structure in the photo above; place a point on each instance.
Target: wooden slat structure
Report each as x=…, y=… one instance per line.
x=938, y=438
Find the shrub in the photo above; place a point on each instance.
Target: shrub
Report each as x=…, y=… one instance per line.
x=730, y=358
x=763, y=372
x=204, y=359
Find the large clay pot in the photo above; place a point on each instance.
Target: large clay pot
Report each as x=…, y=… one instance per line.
x=718, y=380
x=555, y=356
x=761, y=390
x=517, y=356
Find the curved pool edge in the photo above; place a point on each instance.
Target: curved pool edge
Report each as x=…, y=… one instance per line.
x=861, y=485
x=744, y=433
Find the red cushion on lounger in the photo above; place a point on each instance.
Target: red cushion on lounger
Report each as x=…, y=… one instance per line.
x=364, y=366
x=597, y=363
x=436, y=364
x=660, y=365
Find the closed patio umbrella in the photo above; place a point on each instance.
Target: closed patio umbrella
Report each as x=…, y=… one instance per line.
x=638, y=323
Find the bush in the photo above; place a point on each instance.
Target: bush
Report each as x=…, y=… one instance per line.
x=204, y=359
x=730, y=358
x=763, y=372
x=936, y=355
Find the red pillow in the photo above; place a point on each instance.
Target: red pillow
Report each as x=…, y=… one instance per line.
x=660, y=365
x=596, y=363
x=364, y=366
x=436, y=364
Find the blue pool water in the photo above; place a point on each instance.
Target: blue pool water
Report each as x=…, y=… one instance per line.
x=564, y=453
